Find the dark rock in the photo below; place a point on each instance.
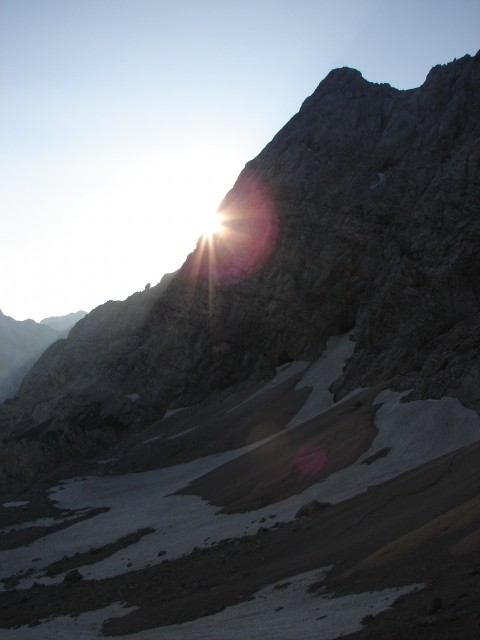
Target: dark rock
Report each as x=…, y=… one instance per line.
x=282, y=585
x=376, y=456
x=311, y=508
x=427, y=621
x=34, y=623
x=435, y=605
x=73, y=576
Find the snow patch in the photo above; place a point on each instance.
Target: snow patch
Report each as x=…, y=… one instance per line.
x=153, y=439
x=183, y=433
x=171, y=412
x=19, y=503
x=133, y=396
x=320, y=376
x=283, y=614
x=417, y=432
x=281, y=611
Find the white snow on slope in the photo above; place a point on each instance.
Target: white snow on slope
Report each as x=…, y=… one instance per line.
x=320, y=376
x=18, y=503
x=416, y=432
x=273, y=614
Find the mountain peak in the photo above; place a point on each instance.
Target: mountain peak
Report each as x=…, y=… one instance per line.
x=62, y=323
x=452, y=69
x=343, y=80
x=342, y=84
x=343, y=75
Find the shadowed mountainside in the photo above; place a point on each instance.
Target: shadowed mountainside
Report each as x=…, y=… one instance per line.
x=360, y=215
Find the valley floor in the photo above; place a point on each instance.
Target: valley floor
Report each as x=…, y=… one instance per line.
x=270, y=513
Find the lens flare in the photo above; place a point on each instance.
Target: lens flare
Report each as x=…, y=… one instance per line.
x=310, y=460
x=213, y=225
x=247, y=234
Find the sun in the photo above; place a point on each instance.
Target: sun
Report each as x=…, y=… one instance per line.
x=212, y=225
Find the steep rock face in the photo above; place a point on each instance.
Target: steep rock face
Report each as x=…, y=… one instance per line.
x=21, y=343
x=361, y=214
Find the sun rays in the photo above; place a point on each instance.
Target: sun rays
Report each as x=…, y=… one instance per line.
x=213, y=225
x=237, y=241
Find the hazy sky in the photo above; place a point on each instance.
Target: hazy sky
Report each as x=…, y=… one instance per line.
x=124, y=122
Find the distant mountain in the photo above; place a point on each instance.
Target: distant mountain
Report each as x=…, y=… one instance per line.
x=21, y=344
x=63, y=323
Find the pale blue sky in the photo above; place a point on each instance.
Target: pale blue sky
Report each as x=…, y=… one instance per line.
x=124, y=122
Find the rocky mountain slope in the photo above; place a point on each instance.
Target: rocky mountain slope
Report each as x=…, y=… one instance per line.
x=360, y=215
x=282, y=439
x=21, y=344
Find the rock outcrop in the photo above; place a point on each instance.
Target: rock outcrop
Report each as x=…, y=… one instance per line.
x=360, y=215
